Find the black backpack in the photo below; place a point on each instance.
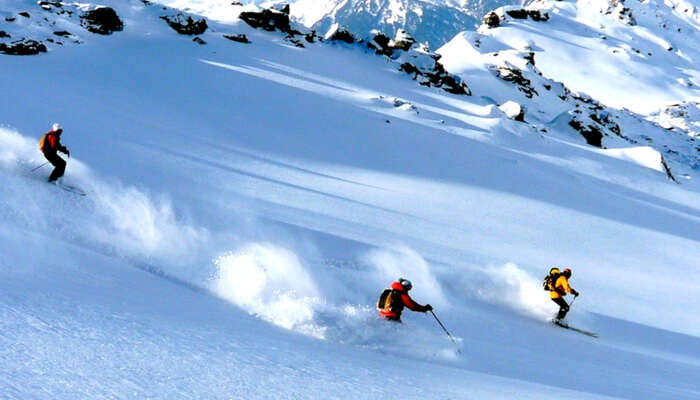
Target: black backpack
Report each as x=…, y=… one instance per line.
x=390, y=300
x=551, y=280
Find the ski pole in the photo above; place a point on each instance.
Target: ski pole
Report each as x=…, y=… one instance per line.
x=39, y=166
x=572, y=301
x=446, y=331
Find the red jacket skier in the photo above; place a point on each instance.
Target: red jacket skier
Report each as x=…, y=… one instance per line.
x=50, y=145
x=394, y=299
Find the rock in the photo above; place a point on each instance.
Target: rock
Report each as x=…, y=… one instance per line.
x=492, y=20
x=402, y=41
x=268, y=20
x=23, y=47
x=522, y=13
x=199, y=40
x=62, y=33
x=380, y=44
x=4, y=34
x=515, y=75
x=336, y=33
x=185, y=25
x=103, y=21
x=238, y=38
x=311, y=37
x=513, y=110
x=10, y=19
x=25, y=14
x=591, y=133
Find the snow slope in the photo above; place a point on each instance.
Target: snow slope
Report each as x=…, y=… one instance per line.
x=248, y=202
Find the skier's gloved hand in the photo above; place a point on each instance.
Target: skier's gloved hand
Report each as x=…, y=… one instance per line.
x=575, y=293
x=67, y=153
x=428, y=307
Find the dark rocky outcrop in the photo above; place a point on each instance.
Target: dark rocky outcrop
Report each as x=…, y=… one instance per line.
x=403, y=40
x=492, y=20
x=23, y=47
x=591, y=133
x=103, y=21
x=63, y=33
x=4, y=34
x=186, y=25
x=341, y=35
x=515, y=76
x=380, y=43
x=24, y=14
x=522, y=13
x=238, y=38
x=199, y=40
x=268, y=20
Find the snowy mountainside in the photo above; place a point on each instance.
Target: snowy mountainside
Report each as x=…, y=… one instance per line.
x=248, y=200
x=434, y=22
x=516, y=46
x=627, y=54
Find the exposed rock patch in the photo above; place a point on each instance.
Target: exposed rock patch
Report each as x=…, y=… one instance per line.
x=23, y=47
x=102, y=21
x=185, y=25
x=238, y=38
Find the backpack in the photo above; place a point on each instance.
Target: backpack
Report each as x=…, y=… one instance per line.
x=551, y=279
x=390, y=300
x=42, y=142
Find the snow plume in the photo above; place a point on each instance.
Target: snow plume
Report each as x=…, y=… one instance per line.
x=270, y=282
x=510, y=286
x=111, y=219
x=403, y=262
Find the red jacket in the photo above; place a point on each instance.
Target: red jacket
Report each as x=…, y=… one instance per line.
x=51, y=143
x=406, y=301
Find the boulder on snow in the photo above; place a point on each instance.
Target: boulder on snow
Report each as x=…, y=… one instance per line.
x=238, y=38
x=513, y=110
x=591, y=133
x=24, y=14
x=186, y=25
x=268, y=20
x=336, y=33
x=4, y=34
x=522, y=13
x=23, y=47
x=402, y=41
x=427, y=70
x=492, y=20
x=380, y=43
x=199, y=40
x=514, y=75
x=102, y=20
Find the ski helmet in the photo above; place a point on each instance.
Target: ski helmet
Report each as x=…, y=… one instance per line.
x=567, y=273
x=56, y=127
x=405, y=283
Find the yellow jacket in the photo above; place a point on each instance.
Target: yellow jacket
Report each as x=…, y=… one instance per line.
x=562, y=288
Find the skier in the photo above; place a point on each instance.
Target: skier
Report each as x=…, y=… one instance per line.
x=558, y=289
x=393, y=300
x=50, y=145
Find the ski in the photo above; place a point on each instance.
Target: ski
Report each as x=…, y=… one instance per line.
x=587, y=333
x=72, y=189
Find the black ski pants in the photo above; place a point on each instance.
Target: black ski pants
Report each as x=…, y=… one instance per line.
x=563, y=307
x=59, y=166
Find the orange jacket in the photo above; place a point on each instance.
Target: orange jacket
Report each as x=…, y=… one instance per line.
x=562, y=288
x=406, y=301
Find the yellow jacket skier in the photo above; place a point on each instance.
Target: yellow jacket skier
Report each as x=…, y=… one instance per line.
x=558, y=288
